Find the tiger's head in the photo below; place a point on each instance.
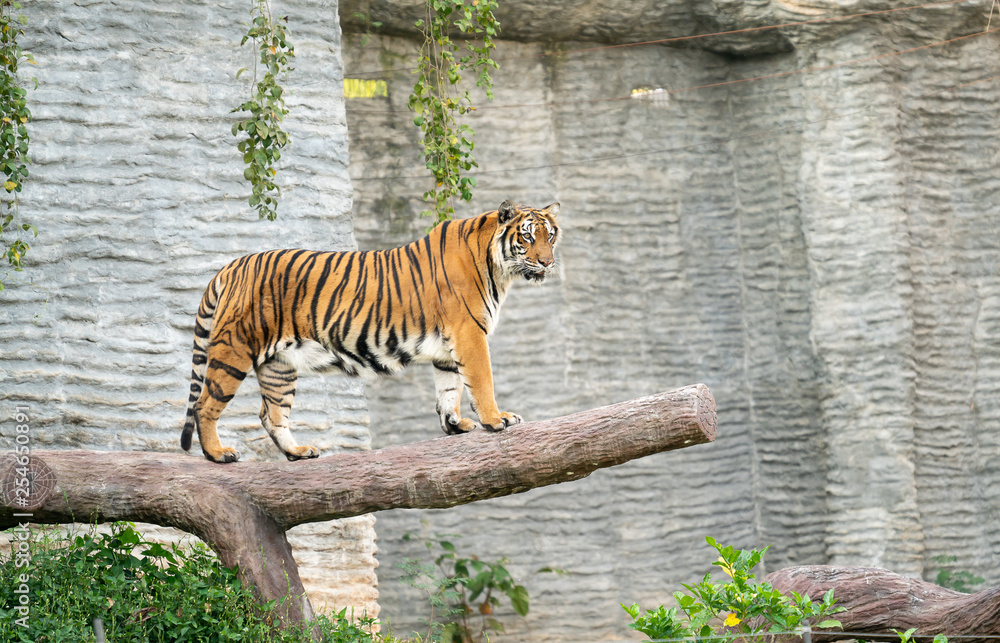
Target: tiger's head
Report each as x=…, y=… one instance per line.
x=527, y=240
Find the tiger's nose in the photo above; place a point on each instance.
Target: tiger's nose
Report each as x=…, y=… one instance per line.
x=546, y=262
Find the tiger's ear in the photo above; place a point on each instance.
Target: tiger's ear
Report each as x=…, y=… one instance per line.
x=552, y=208
x=506, y=211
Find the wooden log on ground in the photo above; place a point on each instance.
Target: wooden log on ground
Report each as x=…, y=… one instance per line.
x=879, y=601
x=243, y=509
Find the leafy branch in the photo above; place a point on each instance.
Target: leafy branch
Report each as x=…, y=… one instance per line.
x=14, y=117
x=438, y=103
x=462, y=588
x=261, y=148
x=743, y=606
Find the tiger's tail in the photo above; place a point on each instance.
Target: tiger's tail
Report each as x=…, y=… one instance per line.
x=199, y=360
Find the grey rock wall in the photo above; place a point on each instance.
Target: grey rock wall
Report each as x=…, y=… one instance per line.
x=820, y=247
x=137, y=191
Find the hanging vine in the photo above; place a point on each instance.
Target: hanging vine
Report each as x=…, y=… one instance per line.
x=436, y=98
x=261, y=148
x=14, y=117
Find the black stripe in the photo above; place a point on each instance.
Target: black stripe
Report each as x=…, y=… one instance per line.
x=411, y=253
x=377, y=259
x=341, y=351
x=491, y=273
x=302, y=287
x=345, y=320
x=271, y=378
x=266, y=279
x=474, y=318
x=478, y=273
x=362, y=346
x=216, y=392
x=394, y=269
x=320, y=285
x=234, y=373
x=291, y=263
x=430, y=258
x=444, y=267
x=344, y=280
x=294, y=294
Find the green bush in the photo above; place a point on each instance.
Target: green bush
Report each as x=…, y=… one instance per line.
x=143, y=592
x=960, y=581
x=463, y=592
x=741, y=606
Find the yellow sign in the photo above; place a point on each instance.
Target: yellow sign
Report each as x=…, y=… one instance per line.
x=361, y=88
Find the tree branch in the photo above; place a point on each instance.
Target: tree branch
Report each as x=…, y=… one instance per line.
x=243, y=509
x=879, y=601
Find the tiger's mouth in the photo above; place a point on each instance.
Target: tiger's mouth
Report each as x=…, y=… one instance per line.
x=533, y=272
x=535, y=275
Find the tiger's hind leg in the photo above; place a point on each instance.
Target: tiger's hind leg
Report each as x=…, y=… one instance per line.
x=277, y=391
x=449, y=385
x=224, y=374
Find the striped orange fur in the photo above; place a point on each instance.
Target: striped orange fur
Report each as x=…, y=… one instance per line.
x=283, y=312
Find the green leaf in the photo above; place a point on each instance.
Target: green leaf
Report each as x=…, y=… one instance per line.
x=519, y=599
x=157, y=550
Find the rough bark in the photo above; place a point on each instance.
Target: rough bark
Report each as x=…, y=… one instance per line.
x=244, y=509
x=879, y=601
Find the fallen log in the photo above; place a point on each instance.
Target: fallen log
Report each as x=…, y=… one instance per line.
x=243, y=509
x=878, y=601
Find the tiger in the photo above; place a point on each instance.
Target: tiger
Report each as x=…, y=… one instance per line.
x=366, y=314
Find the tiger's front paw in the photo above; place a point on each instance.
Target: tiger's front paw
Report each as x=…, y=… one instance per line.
x=505, y=420
x=301, y=453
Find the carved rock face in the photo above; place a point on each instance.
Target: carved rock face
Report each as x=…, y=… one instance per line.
x=821, y=242
x=643, y=20
x=608, y=22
